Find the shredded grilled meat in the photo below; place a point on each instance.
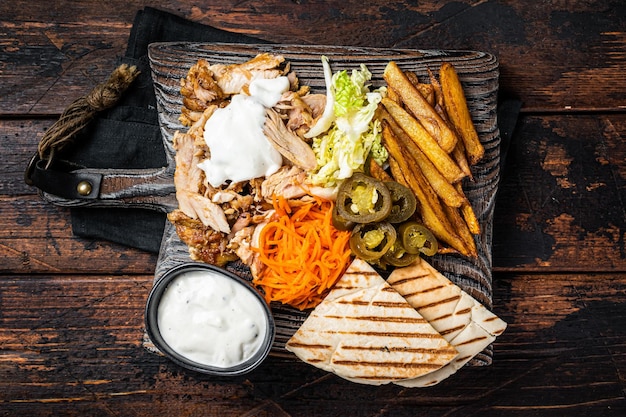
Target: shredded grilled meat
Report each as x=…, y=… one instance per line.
x=219, y=224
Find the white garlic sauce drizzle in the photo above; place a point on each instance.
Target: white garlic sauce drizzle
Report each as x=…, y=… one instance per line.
x=234, y=134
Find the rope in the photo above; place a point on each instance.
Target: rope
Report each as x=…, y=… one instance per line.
x=78, y=114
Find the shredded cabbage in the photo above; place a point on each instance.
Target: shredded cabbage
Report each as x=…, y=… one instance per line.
x=327, y=118
x=353, y=133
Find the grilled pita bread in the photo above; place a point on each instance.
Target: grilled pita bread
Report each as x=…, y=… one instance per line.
x=465, y=323
x=366, y=332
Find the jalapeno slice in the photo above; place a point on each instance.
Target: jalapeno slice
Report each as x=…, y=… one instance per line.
x=417, y=238
x=403, y=202
x=370, y=241
x=363, y=199
x=339, y=222
x=398, y=256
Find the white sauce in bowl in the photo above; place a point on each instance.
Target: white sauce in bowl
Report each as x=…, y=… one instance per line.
x=211, y=319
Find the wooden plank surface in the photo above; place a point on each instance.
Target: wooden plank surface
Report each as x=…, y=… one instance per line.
x=563, y=352
x=555, y=55
x=71, y=309
x=478, y=72
x=560, y=205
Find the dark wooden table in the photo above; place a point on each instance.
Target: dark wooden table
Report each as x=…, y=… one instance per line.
x=71, y=309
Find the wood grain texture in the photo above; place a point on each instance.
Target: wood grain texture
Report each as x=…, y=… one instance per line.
x=71, y=309
x=555, y=55
x=578, y=160
x=71, y=346
x=561, y=205
x=478, y=73
x=37, y=238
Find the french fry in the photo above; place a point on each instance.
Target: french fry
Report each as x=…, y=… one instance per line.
x=378, y=172
x=424, y=141
x=397, y=173
x=458, y=153
x=419, y=107
x=392, y=95
x=459, y=156
x=439, y=106
x=426, y=90
x=435, y=218
x=462, y=230
x=445, y=250
x=419, y=158
x=398, y=176
x=468, y=213
x=446, y=191
x=412, y=77
x=458, y=112
x=433, y=214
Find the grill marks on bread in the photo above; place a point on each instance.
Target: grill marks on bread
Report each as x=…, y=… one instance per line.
x=445, y=305
x=416, y=320
x=458, y=317
x=366, y=332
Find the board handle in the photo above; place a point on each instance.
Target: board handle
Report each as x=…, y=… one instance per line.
x=141, y=188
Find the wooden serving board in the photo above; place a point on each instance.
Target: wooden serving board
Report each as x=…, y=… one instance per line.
x=154, y=188
x=478, y=72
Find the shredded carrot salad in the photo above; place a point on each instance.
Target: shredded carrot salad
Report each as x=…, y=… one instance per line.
x=303, y=254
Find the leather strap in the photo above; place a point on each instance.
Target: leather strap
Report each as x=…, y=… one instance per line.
x=63, y=179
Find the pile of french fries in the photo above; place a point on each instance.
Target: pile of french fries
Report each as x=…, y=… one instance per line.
x=432, y=143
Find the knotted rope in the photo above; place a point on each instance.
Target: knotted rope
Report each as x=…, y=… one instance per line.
x=78, y=114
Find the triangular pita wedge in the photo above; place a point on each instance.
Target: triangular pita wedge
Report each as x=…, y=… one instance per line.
x=468, y=325
x=472, y=340
x=366, y=332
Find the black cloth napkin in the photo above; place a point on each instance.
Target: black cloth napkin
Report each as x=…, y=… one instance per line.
x=128, y=135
